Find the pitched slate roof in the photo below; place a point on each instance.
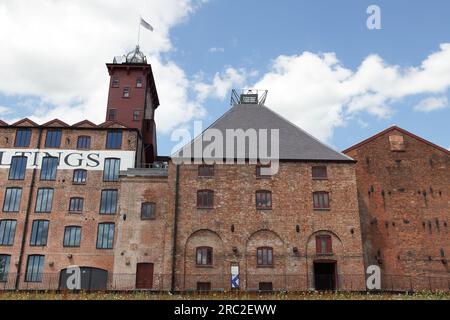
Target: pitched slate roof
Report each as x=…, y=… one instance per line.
x=294, y=143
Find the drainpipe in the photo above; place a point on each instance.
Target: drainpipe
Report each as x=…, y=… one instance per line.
x=27, y=216
x=175, y=228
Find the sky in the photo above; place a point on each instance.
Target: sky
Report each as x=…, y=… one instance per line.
x=325, y=70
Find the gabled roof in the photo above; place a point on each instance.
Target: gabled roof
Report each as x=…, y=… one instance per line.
x=25, y=122
x=294, y=143
x=84, y=124
x=3, y=123
x=55, y=123
x=112, y=124
x=392, y=128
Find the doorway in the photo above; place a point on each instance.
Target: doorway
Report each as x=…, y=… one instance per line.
x=325, y=275
x=144, y=276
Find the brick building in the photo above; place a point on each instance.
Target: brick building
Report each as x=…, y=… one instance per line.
x=404, y=202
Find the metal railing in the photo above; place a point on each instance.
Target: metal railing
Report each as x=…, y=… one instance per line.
x=222, y=282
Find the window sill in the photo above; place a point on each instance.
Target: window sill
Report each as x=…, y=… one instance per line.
x=79, y=183
x=319, y=179
x=75, y=212
x=205, y=177
x=324, y=254
x=264, y=209
x=266, y=267
x=205, y=208
x=322, y=209
x=204, y=266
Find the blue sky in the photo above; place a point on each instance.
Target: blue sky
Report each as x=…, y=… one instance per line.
x=249, y=36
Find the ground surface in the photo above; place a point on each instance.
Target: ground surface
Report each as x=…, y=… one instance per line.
x=220, y=296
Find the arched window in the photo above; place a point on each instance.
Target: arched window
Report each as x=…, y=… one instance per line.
x=264, y=256
x=204, y=256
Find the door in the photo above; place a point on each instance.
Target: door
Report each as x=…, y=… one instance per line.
x=325, y=276
x=144, y=276
x=91, y=278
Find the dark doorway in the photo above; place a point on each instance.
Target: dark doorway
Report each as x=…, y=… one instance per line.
x=92, y=279
x=325, y=276
x=203, y=286
x=144, y=276
x=265, y=286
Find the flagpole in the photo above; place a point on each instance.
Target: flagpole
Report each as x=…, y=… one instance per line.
x=139, y=32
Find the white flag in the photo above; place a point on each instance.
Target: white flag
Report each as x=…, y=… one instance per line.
x=146, y=25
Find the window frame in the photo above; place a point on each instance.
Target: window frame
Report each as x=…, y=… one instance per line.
x=103, y=235
x=322, y=195
x=54, y=142
x=35, y=275
x=112, y=114
x=209, y=256
x=109, y=143
x=139, y=80
x=200, y=201
x=109, y=203
x=264, y=192
x=77, y=237
x=138, y=113
x=115, y=82
x=16, y=202
x=37, y=238
x=86, y=139
x=328, y=245
x=47, y=209
x=107, y=173
x=153, y=215
x=262, y=250
x=26, y=139
x=21, y=166
x=126, y=92
x=7, y=239
x=319, y=177
x=210, y=169
x=47, y=161
x=78, y=171
x=79, y=201
x=5, y=272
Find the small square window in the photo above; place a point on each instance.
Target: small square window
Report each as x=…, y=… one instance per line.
x=263, y=200
x=136, y=115
x=205, y=170
x=323, y=245
x=112, y=115
x=148, y=211
x=139, y=83
x=115, y=82
x=319, y=173
x=321, y=200
x=204, y=256
x=205, y=199
x=84, y=142
x=79, y=176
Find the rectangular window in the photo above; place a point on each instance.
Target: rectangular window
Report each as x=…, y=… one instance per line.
x=79, y=176
x=205, y=170
x=136, y=115
x=263, y=199
x=203, y=286
x=126, y=92
x=105, y=236
x=39, y=233
x=115, y=82
x=108, y=202
x=7, y=232
x=323, y=245
x=205, y=199
x=84, y=142
x=53, y=138
x=12, y=200
x=265, y=257
x=44, y=200
x=112, y=114
x=139, y=83
x=111, y=169
x=35, y=268
x=76, y=205
x=148, y=211
x=114, y=139
x=204, y=256
x=4, y=267
x=18, y=168
x=319, y=173
x=23, y=137
x=72, y=236
x=48, y=168
x=321, y=200
x=265, y=286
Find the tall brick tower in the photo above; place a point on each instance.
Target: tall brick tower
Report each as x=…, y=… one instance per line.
x=133, y=99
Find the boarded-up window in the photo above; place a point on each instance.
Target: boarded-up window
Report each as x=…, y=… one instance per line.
x=397, y=143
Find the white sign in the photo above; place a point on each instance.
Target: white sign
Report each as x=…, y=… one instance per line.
x=69, y=159
x=235, y=277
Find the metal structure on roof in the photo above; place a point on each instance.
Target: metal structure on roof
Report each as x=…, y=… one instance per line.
x=248, y=96
x=133, y=57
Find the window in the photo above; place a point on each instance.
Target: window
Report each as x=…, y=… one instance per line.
x=265, y=286
x=126, y=92
x=53, y=138
x=84, y=142
x=18, y=167
x=321, y=200
x=111, y=169
x=79, y=176
x=263, y=199
x=7, y=232
x=139, y=83
x=76, y=205
x=319, y=173
x=44, y=200
x=112, y=114
x=35, y=268
x=136, y=115
x=260, y=173
x=48, y=168
x=203, y=286
x=4, y=267
x=205, y=199
x=114, y=139
x=108, y=202
x=205, y=170
x=148, y=211
x=115, y=82
x=264, y=257
x=204, y=256
x=323, y=245
x=39, y=233
x=23, y=137
x=12, y=200
x=72, y=236
x=105, y=236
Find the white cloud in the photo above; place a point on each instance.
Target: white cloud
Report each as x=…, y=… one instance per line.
x=216, y=50
x=221, y=84
x=432, y=104
x=54, y=53
x=5, y=111
x=318, y=93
